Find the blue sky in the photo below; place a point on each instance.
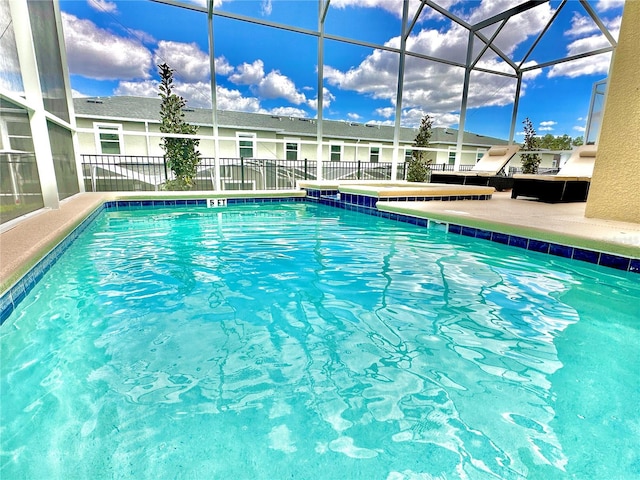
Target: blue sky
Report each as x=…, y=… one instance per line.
x=113, y=48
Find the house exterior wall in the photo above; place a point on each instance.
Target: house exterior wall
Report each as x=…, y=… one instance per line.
x=614, y=193
x=266, y=144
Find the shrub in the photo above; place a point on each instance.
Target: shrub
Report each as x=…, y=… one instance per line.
x=530, y=161
x=418, y=167
x=180, y=154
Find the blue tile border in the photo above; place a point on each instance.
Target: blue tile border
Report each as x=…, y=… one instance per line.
x=356, y=203
x=370, y=201
x=574, y=253
x=16, y=293
x=192, y=202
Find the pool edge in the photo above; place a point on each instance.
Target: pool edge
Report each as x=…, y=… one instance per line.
x=15, y=288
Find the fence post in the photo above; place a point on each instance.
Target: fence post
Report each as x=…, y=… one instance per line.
x=166, y=173
x=359, y=172
x=241, y=173
x=305, y=170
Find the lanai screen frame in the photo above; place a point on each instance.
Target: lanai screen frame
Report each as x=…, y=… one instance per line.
x=407, y=25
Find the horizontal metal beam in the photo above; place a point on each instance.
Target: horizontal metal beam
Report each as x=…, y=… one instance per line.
x=568, y=59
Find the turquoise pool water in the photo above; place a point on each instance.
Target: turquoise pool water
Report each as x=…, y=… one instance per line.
x=306, y=342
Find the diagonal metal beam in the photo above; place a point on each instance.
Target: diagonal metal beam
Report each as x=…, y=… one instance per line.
x=523, y=7
x=542, y=33
x=468, y=26
x=188, y=6
x=596, y=19
x=324, y=9
x=488, y=44
x=447, y=13
x=496, y=50
x=406, y=33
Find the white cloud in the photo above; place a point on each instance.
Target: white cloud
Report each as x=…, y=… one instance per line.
x=103, y=6
x=545, y=129
x=276, y=85
x=266, y=8
x=581, y=25
x=77, y=94
x=391, y=6
x=411, y=117
x=445, y=119
x=437, y=87
x=353, y=116
x=189, y=62
x=233, y=100
x=386, y=112
x=518, y=28
x=222, y=66
x=594, y=65
x=614, y=26
x=327, y=99
x=248, y=73
x=288, y=112
x=141, y=35
x=148, y=88
x=97, y=53
x=548, y=123
x=196, y=94
x=579, y=128
x=604, y=5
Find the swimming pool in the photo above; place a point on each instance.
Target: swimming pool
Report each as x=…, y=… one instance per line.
x=302, y=341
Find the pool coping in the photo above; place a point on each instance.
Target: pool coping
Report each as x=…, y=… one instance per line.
x=38, y=262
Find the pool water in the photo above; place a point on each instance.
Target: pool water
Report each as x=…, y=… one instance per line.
x=301, y=341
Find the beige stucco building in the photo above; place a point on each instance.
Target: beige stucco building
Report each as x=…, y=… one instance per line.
x=615, y=186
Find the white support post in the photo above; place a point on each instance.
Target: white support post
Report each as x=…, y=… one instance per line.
x=69, y=97
x=33, y=95
x=322, y=12
x=463, y=105
x=401, y=61
x=214, y=100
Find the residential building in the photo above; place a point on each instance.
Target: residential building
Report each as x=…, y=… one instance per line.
x=131, y=126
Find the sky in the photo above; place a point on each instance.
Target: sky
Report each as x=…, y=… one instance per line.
x=114, y=47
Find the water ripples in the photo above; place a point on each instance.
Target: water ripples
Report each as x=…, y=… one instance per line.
x=317, y=343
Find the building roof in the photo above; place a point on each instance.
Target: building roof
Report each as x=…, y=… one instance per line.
x=126, y=108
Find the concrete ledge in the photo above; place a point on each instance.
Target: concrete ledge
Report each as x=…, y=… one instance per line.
x=558, y=223
x=420, y=190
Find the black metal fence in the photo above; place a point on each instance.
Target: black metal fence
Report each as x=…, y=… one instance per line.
x=449, y=167
x=107, y=173
x=541, y=171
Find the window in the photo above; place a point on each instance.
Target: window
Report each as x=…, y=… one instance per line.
x=452, y=156
x=480, y=154
x=246, y=144
x=408, y=155
x=291, y=148
x=108, y=138
x=336, y=153
x=374, y=154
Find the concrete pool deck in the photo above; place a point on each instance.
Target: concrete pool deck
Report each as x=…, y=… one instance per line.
x=23, y=243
